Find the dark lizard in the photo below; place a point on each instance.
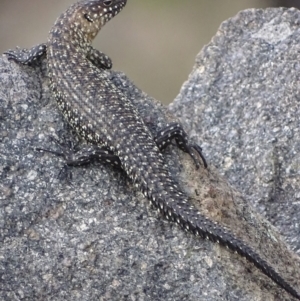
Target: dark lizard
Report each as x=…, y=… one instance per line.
x=103, y=116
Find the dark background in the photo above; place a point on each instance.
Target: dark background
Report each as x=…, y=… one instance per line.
x=154, y=42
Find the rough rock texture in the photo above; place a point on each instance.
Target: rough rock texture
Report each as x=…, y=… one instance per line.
x=93, y=237
x=242, y=99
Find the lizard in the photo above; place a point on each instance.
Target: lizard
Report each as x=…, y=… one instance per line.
x=106, y=118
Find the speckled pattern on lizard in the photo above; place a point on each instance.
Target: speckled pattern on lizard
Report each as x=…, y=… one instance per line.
x=103, y=116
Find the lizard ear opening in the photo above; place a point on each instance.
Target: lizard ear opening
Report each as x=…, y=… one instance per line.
x=87, y=17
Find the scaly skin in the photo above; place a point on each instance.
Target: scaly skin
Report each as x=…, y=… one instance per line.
x=102, y=115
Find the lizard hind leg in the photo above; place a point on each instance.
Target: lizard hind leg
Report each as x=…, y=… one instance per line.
x=85, y=155
x=175, y=131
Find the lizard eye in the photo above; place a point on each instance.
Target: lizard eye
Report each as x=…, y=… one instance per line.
x=107, y=3
x=87, y=17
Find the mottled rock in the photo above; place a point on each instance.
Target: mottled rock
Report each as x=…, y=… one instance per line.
x=94, y=237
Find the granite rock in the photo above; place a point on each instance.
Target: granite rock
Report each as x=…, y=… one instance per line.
x=86, y=234
x=242, y=103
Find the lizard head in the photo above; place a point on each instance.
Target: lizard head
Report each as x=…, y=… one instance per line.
x=91, y=15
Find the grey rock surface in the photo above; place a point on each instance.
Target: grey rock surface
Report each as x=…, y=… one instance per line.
x=94, y=237
x=242, y=102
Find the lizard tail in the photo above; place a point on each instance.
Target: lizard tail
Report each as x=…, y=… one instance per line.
x=190, y=219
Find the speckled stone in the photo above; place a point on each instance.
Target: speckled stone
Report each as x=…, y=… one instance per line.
x=242, y=102
x=94, y=237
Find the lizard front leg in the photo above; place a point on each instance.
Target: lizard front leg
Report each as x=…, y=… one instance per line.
x=27, y=56
x=30, y=56
x=98, y=58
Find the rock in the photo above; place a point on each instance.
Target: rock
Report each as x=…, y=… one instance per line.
x=92, y=236
x=242, y=103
